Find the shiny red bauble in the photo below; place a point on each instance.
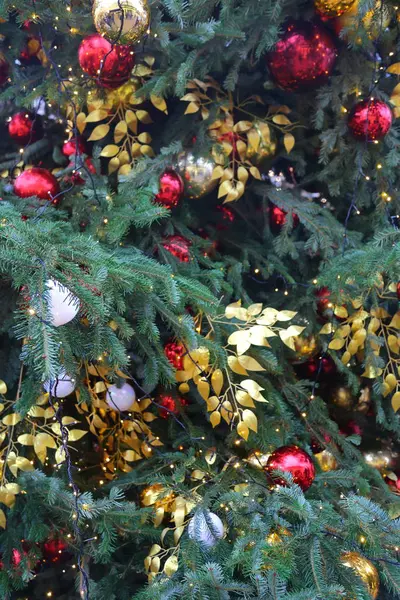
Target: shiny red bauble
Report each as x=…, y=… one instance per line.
x=118, y=60
x=370, y=120
x=4, y=70
x=278, y=217
x=178, y=246
x=171, y=189
x=36, y=182
x=75, y=146
x=324, y=303
x=53, y=549
x=324, y=365
x=175, y=353
x=169, y=406
x=24, y=128
x=294, y=460
x=303, y=57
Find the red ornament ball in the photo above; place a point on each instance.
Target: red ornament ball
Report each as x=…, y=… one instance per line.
x=370, y=120
x=169, y=406
x=171, y=189
x=175, y=353
x=398, y=290
x=118, y=60
x=24, y=128
x=178, y=246
x=325, y=365
x=36, y=182
x=75, y=146
x=305, y=55
x=324, y=303
x=53, y=549
x=4, y=69
x=277, y=217
x=294, y=460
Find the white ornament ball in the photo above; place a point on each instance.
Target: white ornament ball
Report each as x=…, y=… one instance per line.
x=201, y=531
x=120, y=398
x=60, y=387
x=63, y=305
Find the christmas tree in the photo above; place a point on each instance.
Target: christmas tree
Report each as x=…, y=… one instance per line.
x=200, y=324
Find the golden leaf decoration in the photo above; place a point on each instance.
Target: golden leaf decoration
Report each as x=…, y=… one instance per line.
x=109, y=151
x=243, y=430
x=3, y=387
x=11, y=419
x=215, y=418
x=289, y=142
x=171, y=566
x=96, y=115
x=99, y=133
x=249, y=363
x=76, y=434
x=3, y=520
x=217, y=381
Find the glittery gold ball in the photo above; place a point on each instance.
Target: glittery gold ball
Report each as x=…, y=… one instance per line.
x=343, y=398
x=364, y=569
x=258, y=460
x=326, y=461
x=196, y=172
x=121, y=21
x=333, y=8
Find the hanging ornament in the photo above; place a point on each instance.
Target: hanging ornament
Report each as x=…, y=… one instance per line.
x=24, y=128
x=175, y=353
x=258, y=460
x=4, y=69
x=206, y=529
x=36, y=182
x=196, y=173
x=333, y=8
x=171, y=189
x=75, y=146
x=380, y=459
x=323, y=365
x=60, y=387
x=365, y=569
x=63, y=306
x=178, y=246
x=278, y=217
x=370, y=120
x=294, y=460
x=326, y=461
x=120, y=398
x=118, y=61
x=342, y=397
x=266, y=145
x=121, y=21
x=303, y=57
x=168, y=405
x=54, y=549
x=305, y=346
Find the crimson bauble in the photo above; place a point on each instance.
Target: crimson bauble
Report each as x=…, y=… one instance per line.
x=324, y=302
x=4, y=70
x=36, y=182
x=305, y=55
x=171, y=189
x=118, y=61
x=277, y=217
x=370, y=120
x=75, y=146
x=175, y=353
x=53, y=549
x=169, y=406
x=324, y=365
x=294, y=460
x=178, y=246
x=24, y=128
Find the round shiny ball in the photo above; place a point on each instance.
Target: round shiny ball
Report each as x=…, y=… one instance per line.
x=326, y=461
x=258, y=460
x=370, y=120
x=4, y=69
x=278, y=218
x=305, y=346
x=294, y=460
x=63, y=306
x=60, y=387
x=36, y=182
x=365, y=569
x=175, y=353
x=343, y=398
x=206, y=530
x=168, y=405
x=74, y=146
x=121, y=21
x=333, y=8
x=171, y=189
x=120, y=398
x=24, y=128
x=196, y=172
x=110, y=65
x=178, y=246
x=303, y=57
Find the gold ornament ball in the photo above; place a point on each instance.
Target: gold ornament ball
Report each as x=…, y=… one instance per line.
x=196, y=173
x=343, y=398
x=381, y=459
x=121, y=21
x=258, y=460
x=326, y=461
x=364, y=569
x=305, y=346
x=333, y=8
x=267, y=143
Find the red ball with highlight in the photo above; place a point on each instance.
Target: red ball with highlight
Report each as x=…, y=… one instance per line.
x=294, y=460
x=75, y=146
x=36, y=182
x=175, y=353
x=178, y=246
x=171, y=189
x=370, y=120
x=118, y=60
x=303, y=57
x=24, y=128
